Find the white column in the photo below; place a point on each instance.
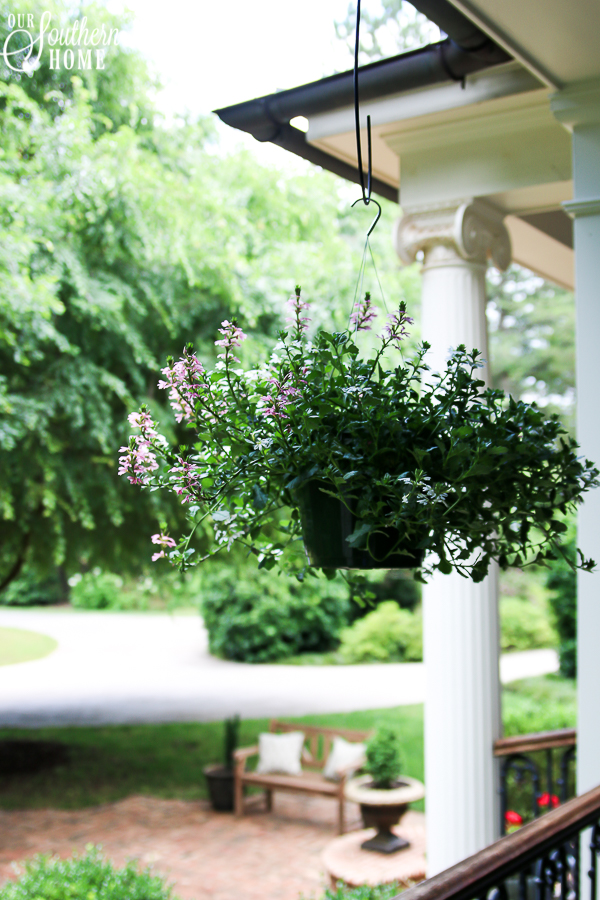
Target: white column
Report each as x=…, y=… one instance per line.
x=461, y=634
x=579, y=108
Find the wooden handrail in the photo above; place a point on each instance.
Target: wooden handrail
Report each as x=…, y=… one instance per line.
x=474, y=876
x=540, y=740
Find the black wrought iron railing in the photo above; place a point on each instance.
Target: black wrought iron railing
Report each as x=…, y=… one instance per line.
x=537, y=772
x=545, y=860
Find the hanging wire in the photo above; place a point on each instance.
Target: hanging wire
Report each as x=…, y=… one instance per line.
x=366, y=193
x=366, y=190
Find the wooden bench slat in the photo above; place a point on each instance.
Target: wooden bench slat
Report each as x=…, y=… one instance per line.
x=309, y=782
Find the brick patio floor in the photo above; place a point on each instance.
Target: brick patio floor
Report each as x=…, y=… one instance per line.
x=262, y=856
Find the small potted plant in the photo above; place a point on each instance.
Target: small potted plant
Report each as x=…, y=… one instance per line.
x=220, y=776
x=367, y=461
x=382, y=793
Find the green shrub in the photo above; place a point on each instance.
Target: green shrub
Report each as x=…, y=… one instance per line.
x=95, y=590
x=89, y=877
x=31, y=590
x=253, y=616
x=364, y=892
x=386, y=633
x=384, y=759
x=369, y=590
x=562, y=582
x=525, y=625
x=539, y=704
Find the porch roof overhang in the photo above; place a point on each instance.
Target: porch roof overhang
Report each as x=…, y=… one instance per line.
x=466, y=50
x=469, y=116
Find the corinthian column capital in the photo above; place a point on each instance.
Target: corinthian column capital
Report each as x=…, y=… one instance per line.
x=471, y=230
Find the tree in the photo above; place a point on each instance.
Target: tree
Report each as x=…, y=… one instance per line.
x=562, y=582
x=532, y=340
x=396, y=28
x=118, y=244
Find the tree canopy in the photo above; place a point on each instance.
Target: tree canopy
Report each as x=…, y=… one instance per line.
x=120, y=240
x=123, y=238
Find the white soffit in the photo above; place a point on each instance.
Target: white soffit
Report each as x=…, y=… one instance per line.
x=489, y=90
x=555, y=39
x=490, y=84
x=541, y=253
x=504, y=143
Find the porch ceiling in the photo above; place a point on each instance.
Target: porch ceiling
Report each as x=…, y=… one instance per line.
x=556, y=40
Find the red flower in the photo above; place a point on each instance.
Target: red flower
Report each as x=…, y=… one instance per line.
x=513, y=818
x=548, y=800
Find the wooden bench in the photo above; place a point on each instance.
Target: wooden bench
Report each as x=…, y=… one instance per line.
x=317, y=746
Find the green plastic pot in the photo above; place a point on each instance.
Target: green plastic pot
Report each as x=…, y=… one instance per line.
x=327, y=523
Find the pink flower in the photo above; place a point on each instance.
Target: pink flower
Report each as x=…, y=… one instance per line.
x=142, y=421
x=297, y=306
x=395, y=331
x=233, y=338
x=364, y=313
x=185, y=480
x=138, y=461
x=164, y=541
x=283, y=397
x=184, y=380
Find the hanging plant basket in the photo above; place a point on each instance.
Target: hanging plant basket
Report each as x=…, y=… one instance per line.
x=328, y=524
x=464, y=475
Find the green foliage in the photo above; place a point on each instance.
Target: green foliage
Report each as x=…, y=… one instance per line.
x=371, y=588
x=532, y=340
x=31, y=590
x=231, y=739
x=110, y=762
x=524, y=625
x=433, y=464
x=89, y=877
x=395, y=28
x=120, y=240
x=384, y=758
x=256, y=617
x=96, y=590
x=539, y=704
x=387, y=633
x=120, y=93
x=562, y=583
x=364, y=892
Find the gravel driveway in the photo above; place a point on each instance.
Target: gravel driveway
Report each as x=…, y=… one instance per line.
x=112, y=668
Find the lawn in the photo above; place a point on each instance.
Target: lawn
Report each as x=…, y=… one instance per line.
x=111, y=762
x=18, y=645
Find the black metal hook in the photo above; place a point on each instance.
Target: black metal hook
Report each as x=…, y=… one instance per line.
x=377, y=217
x=366, y=194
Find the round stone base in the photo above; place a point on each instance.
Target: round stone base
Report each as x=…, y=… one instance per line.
x=344, y=859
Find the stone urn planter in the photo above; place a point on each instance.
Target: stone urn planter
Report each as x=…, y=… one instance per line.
x=381, y=808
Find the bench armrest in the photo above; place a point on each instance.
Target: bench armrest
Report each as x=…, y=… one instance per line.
x=241, y=755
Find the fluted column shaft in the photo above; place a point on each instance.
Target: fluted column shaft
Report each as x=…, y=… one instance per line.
x=460, y=618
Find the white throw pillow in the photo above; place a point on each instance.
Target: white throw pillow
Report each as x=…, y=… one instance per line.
x=280, y=753
x=343, y=754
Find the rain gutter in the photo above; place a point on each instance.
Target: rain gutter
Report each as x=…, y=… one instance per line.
x=467, y=49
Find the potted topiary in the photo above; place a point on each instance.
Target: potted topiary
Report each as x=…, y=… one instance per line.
x=220, y=776
x=373, y=461
x=382, y=794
